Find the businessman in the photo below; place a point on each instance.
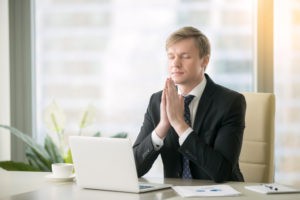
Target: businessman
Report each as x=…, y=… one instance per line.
x=195, y=124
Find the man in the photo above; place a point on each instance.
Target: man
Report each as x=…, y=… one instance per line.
x=198, y=138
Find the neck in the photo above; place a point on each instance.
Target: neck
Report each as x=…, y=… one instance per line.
x=187, y=88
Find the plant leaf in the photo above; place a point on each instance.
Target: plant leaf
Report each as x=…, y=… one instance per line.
x=36, y=161
x=54, y=117
x=120, y=135
x=29, y=141
x=98, y=134
x=17, y=166
x=68, y=158
x=52, y=150
x=88, y=117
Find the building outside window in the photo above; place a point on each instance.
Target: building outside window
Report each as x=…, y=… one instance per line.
x=100, y=52
x=111, y=54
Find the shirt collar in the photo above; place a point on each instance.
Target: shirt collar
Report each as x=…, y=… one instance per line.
x=198, y=90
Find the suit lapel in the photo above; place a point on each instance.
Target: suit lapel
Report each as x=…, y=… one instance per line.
x=204, y=104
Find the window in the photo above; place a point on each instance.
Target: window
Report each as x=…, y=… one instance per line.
x=93, y=50
x=287, y=90
x=111, y=54
x=100, y=52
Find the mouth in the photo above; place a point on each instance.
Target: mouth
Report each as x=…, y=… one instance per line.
x=177, y=73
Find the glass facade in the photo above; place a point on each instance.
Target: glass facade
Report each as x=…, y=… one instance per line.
x=287, y=90
x=111, y=54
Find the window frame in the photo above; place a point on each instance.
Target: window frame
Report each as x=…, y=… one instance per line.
x=22, y=73
x=263, y=44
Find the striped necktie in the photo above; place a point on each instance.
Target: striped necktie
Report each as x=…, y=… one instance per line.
x=186, y=172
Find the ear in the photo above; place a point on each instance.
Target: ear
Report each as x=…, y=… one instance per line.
x=205, y=61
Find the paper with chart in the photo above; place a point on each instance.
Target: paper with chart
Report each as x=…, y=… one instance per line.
x=206, y=191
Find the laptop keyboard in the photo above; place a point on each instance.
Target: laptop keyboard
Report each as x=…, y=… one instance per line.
x=145, y=187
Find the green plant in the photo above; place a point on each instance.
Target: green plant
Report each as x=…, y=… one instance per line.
x=41, y=157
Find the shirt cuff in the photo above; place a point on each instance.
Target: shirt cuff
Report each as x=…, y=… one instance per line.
x=185, y=134
x=156, y=141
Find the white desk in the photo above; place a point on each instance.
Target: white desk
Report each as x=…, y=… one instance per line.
x=34, y=185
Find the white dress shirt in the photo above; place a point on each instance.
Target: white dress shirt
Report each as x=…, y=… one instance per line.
x=197, y=92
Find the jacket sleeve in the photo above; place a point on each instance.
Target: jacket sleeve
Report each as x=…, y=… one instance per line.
x=219, y=158
x=143, y=149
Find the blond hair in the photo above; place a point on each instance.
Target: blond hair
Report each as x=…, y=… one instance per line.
x=201, y=41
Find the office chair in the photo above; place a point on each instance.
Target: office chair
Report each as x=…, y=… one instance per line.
x=257, y=154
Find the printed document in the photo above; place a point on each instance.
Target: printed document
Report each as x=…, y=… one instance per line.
x=206, y=191
x=272, y=188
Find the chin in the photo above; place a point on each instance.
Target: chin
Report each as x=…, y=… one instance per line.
x=177, y=81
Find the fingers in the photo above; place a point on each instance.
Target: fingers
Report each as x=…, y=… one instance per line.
x=171, y=98
x=170, y=89
x=173, y=106
x=164, y=123
x=181, y=100
x=163, y=96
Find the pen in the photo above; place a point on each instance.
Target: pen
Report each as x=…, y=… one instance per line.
x=270, y=187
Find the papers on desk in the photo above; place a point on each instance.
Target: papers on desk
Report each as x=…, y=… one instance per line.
x=273, y=188
x=206, y=191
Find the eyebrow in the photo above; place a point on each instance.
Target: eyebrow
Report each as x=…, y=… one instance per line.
x=183, y=53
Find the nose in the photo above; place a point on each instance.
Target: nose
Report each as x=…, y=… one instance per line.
x=175, y=62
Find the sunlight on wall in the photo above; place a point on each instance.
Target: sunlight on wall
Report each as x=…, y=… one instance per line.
x=287, y=90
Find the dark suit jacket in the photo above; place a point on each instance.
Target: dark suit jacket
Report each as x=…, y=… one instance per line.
x=214, y=146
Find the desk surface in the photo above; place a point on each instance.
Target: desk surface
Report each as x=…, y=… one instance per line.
x=34, y=185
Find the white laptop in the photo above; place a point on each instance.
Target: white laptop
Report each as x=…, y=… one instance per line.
x=107, y=164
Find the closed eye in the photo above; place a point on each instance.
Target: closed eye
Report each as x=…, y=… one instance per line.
x=170, y=56
x=186, y=56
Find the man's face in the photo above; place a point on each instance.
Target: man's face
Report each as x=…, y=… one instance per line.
x=184, y=64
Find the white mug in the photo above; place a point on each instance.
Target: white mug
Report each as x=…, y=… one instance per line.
x=62, y=170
